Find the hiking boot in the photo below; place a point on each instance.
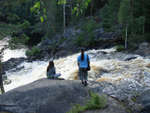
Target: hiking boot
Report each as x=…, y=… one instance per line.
x=85, y=83
x=82, y=82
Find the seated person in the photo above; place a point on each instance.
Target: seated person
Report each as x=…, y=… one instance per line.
x=51, y=71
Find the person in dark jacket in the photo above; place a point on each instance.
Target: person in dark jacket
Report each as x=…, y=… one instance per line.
x=51, y=71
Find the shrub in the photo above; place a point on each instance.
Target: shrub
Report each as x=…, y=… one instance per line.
x=95, y=102
x=146, y=37
x=22, y=40
x=85, y=39
x=33, y=52
x=120, y=48
x=26, y=24
x=12, y=18
x=79, y=40
x=89, y=26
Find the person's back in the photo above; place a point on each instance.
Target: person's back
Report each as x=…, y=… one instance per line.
x=51, y=70
x=83, y=63
x=84, y=66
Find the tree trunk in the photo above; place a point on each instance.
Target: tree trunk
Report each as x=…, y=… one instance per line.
x=126, y=37
x=64, y=15
x=131, y=13
x=91, y=10
x=1, y=80
x=143, y=29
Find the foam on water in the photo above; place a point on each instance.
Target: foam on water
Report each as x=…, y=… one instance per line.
x=8, y=53
x=17, y=53
x=31, y=72
x=118, y=71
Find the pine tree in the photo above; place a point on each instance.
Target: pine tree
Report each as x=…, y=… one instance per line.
x=109, y=14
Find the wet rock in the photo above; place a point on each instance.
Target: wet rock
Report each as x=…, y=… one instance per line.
x=144, y=45
x=130, y=57
x=144, y=99
x=12, y=63
x=143, y=49
x=125, y=92
x=6, y=82
x=55, y=94
x=100, y=34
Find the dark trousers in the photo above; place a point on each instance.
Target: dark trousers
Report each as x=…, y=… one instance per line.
x=83, y=74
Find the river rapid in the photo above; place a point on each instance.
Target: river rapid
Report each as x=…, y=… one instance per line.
x=116, y=68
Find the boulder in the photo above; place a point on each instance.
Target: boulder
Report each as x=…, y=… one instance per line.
x=44, y=96
x=143, y=49
x=130, y=57
x=144, y=99
x=52, y=96
x=12, y=64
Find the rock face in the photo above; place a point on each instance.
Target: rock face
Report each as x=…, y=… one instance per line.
x=44, y=96
x=12, y=63
x=143, y=49
x=144, y=99
x=51, y=96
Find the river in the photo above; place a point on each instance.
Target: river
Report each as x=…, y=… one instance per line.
x=106, y=65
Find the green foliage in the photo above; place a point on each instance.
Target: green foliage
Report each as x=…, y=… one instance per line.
x=33, y=52
x=80, y=7
x=12, y=18
x=15, y=41
x=79, y=41
x=89, y=26
x=7, y=29
x=36, y=7
x=25, y=25
x=86, y=37
x=120, y=48
x=124, y=12
x=139, y=25
x=109, y=14
x=42, y=19
x=61, y=2
x=39, y=9
x=95, y=102
x=85, y=40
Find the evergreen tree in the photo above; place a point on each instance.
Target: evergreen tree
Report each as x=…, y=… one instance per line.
x=124, y=17
x=109, y=14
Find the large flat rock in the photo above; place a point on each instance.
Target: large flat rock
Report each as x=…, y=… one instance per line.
x=44, y=96
x=52, y=96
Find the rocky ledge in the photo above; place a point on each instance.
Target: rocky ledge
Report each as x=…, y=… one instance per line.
x=51, y=96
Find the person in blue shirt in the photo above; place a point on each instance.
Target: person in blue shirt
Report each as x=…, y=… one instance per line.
x=84, y=65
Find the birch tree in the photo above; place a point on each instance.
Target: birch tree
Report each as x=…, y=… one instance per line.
x=124, y=17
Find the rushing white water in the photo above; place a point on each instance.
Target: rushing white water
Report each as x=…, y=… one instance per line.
x=8, y=53
x=17, y=53
x=30, y=72
x=37, y=69
x=109, y=66
x=4, y=42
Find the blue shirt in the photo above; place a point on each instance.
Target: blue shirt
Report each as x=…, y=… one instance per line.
x=83, y=63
